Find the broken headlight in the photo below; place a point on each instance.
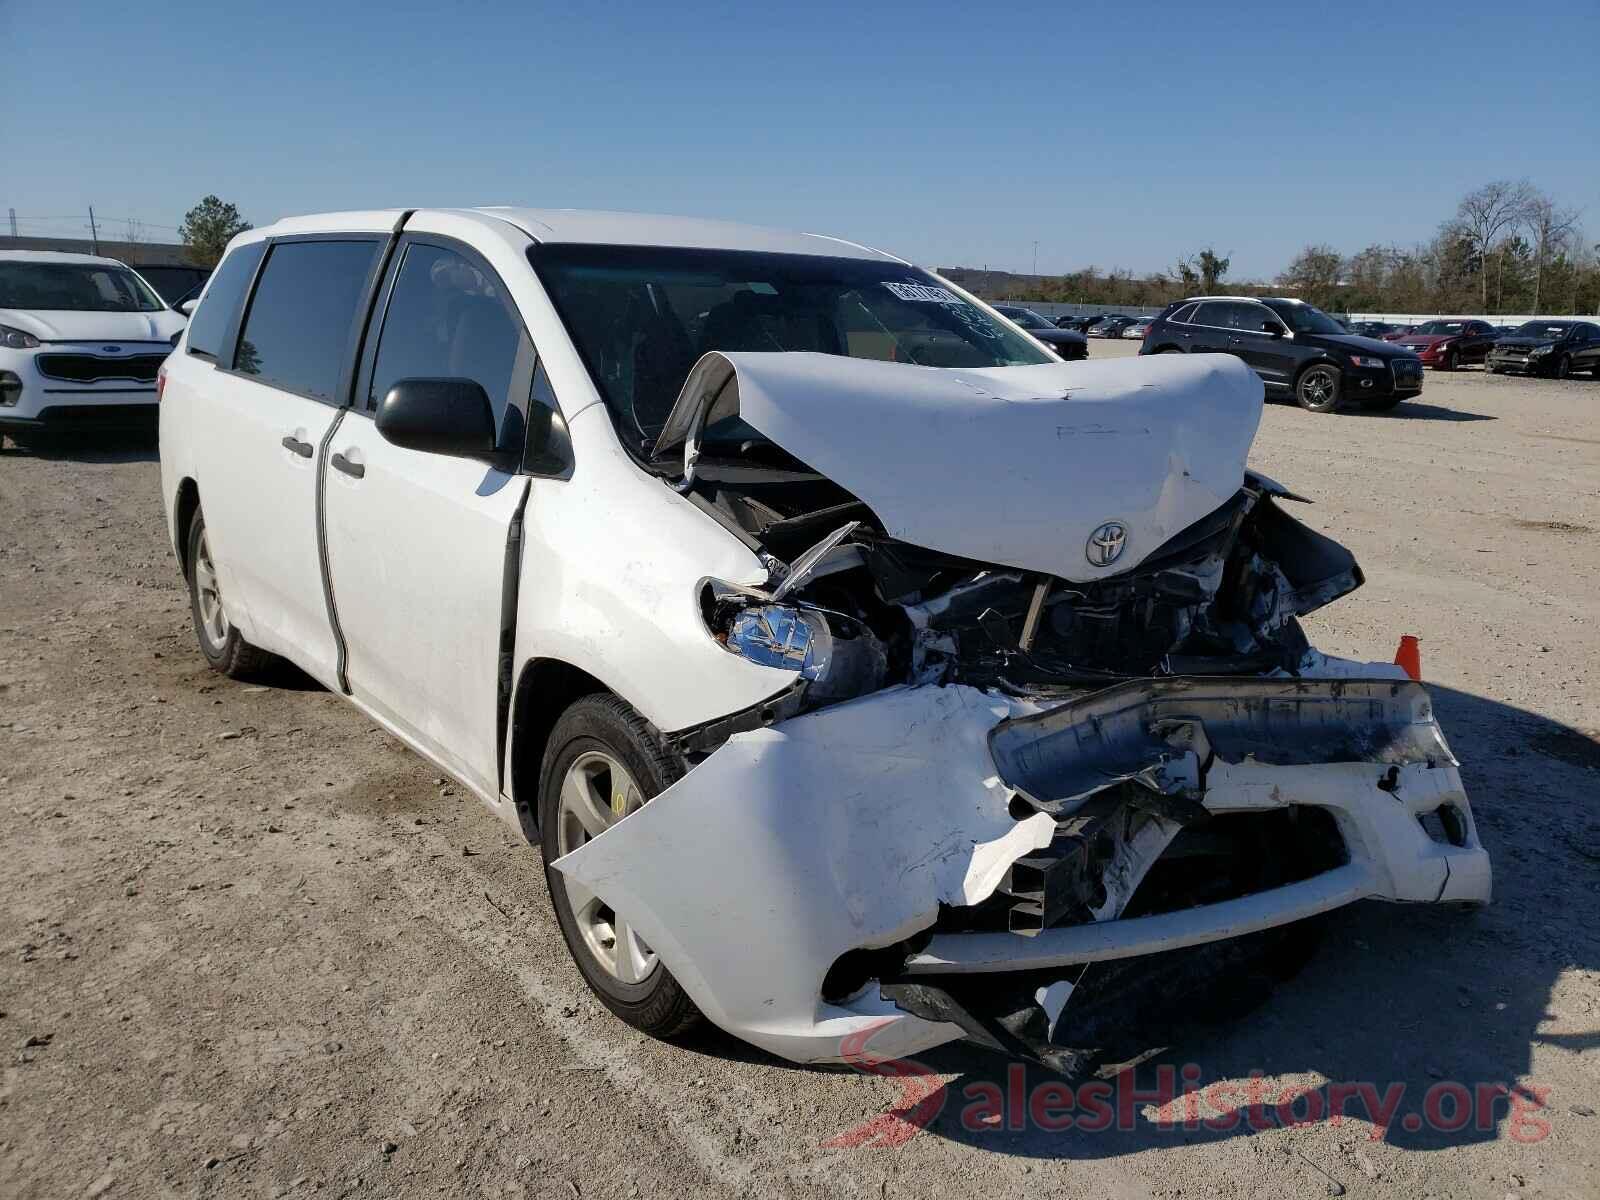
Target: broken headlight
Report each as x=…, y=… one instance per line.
x=836, y=655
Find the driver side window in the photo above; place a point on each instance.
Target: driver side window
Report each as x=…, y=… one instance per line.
x=447, y=318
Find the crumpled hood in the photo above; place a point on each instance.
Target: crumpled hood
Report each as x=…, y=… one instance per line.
x=1016, y=466
x=55, y=325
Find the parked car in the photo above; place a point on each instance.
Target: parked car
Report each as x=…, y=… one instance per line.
x=1448, y=344
x=1298, y=350
x=1373, y=329
x=1068, y=343
x=81, y=339
x=1396, y=332
x=1138, y=328
x=1071, y=322
x=1109, y=327
x=1554, y=348
x=851, y=658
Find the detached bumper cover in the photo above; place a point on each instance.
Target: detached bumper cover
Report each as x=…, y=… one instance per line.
x=849, y=828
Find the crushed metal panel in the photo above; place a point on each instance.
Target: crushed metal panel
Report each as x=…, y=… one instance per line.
x=837, y=830
x=1016, y=466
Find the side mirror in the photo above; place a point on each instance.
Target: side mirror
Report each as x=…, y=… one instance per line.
x=186, y=307
x=439, y=416
x=1272, y=327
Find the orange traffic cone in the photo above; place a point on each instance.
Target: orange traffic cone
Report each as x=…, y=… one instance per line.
x=1409, y=657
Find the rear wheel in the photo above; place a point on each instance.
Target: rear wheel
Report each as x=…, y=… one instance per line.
x=222, y=644
x=602, y=763
x=1317, y=389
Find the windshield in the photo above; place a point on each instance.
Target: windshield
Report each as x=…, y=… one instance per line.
x=641, y=316
x=1442, y=328
x=1542, y=329
x=1303, y=318
x=74, y=287
x=173, y=283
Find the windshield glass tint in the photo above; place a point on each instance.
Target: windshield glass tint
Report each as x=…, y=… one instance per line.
x=1541, y=329
x=74, y=287
x=1303, y=318
x=1442, y=328
x=641, y=316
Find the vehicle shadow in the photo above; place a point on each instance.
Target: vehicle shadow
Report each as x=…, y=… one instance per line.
x=1414, y=1002
x=1411, y=410
x=85, y=446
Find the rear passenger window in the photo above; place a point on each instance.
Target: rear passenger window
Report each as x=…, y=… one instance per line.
x=450, y=319
x=220, y=304
x=298, y=330
x=1213, y=312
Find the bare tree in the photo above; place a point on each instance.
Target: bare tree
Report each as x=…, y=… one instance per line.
x=1552, y=229
x=1487, y=215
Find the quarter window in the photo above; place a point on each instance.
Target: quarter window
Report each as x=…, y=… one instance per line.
x=220, y=303
x=1184, y=315
x=298, y=330
x=450, y=319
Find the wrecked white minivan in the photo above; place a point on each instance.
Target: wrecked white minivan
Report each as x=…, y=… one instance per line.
x=857, y=664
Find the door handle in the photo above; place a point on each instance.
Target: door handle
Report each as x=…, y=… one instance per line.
x=1234, y=341
x=353, y=469
x=303, y=449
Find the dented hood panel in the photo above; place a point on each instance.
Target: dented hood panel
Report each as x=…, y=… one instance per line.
x=1016, y=466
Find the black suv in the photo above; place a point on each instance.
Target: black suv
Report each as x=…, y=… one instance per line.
x=1297, y=350
x=1555, y=348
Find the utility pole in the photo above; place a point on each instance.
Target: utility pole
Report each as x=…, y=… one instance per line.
x=1036, y=258
x=13, y=222
x=94, y=232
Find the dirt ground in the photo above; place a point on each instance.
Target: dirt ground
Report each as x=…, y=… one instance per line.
x=251, y=946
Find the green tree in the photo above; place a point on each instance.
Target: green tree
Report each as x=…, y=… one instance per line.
x=1314, y=273
x=208, y=227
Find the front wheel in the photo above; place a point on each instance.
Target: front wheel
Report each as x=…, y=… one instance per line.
x=1317, y=389
x=220, y=641
x=1451, y=361
x=602, y=763
x=1564, y=366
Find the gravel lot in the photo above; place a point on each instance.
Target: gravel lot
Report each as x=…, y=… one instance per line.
x=249, y=945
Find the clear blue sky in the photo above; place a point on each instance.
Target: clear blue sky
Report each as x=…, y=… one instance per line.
x=1121, y=133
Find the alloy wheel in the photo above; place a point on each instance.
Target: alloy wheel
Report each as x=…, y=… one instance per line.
x=213, y=618
x=597, y=792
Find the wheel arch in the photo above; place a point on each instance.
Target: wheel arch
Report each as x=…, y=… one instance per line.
x=184, y=509
x=545, y=688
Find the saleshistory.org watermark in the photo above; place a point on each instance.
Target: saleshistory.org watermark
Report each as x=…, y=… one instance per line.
x=1177, y=1101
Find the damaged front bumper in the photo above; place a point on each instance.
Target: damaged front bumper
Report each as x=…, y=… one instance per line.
x=832, y=874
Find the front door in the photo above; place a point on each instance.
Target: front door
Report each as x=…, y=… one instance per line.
x=1269, y=355
x=273, y=405
x=417, y=542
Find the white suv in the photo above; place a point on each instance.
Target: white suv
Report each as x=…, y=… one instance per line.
x=861, y=669
x=81, y=340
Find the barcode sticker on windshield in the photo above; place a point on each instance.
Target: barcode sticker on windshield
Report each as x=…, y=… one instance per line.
x=923, y=294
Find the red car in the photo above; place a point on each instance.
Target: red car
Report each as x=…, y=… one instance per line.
x=1446, y=345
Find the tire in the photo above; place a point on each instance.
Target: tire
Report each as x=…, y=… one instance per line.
x=1563, y=367
x=220, y=641
x=1169, y=350
x=599, y=734
x=1451, y=361
x=1318, y=387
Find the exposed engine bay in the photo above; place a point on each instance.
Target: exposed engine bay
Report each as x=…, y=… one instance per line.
x=860, y=610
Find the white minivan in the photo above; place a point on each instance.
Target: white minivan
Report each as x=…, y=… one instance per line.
x=862, y=670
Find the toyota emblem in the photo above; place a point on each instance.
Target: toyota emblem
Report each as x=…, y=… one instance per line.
x=1106, y=544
